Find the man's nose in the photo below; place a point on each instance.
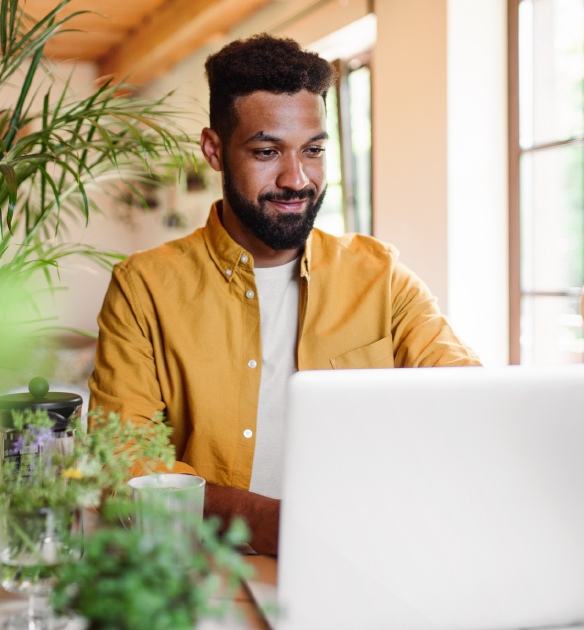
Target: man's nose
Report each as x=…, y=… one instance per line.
x=292, y=174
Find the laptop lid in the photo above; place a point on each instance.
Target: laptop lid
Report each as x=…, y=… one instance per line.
x=442, y=498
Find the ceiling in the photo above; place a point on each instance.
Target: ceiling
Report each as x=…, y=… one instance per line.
x=140, y=38
x=100, y=34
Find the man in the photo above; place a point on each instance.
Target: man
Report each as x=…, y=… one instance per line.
x=209, y=327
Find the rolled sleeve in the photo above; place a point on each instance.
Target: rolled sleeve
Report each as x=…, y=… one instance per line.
x=422, y=335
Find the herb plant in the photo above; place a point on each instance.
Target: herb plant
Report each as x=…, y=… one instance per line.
x=126, y=581
x=47, y=477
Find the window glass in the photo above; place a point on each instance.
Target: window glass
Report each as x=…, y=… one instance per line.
x=360, y=95
x=330, y=218
x=552, y=219
x=551, y=179
x=551, y=70
x=349, y=164
x=551, y=330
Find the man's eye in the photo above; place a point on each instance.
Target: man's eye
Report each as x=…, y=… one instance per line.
x=265, y=153
x=316, y=151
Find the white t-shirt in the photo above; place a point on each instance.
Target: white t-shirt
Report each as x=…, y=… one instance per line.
x=279, y=293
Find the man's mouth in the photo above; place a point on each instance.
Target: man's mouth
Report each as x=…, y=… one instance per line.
x=295, y=205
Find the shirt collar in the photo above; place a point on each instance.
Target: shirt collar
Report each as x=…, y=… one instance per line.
x=230, y=256
x=224, y=251
x=305, y=262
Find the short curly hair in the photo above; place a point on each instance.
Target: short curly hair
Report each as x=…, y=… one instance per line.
x=262, y=62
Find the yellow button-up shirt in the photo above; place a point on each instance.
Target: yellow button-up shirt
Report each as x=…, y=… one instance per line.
x=180, y=333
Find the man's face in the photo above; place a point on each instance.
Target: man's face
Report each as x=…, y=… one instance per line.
x=275, y=166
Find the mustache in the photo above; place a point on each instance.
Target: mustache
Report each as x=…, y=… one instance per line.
x=288, y=195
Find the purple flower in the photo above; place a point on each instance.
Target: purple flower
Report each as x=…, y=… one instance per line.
x=18, y=444
x=42, y=436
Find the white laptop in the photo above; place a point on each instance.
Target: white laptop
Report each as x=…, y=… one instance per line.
x=433, y=499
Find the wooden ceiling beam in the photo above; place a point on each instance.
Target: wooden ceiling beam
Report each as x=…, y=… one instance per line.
x=176, y=29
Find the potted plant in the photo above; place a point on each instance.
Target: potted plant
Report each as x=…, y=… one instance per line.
x=56, y=151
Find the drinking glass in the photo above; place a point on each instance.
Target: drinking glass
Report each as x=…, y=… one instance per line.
x=33, y=544
x=169, y=505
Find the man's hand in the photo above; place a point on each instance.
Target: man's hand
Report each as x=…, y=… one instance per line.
x=262, y=514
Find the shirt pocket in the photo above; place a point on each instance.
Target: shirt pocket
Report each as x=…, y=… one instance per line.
x=375, y=355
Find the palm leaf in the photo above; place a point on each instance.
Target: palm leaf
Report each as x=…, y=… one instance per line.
x=81, y=146
x=12, y=184
x=4, y=25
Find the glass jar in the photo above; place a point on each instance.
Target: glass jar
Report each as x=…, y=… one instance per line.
x=61, y=407
x=34, y=544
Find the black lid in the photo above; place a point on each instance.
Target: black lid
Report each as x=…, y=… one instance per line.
x=53, y=401
x=61, y=403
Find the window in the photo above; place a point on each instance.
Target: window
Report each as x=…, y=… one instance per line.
x=347, y=205
x=547, y=180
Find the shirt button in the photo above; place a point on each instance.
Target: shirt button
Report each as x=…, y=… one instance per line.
x=249, y=294
x=244, y=258
x=247, y=433
x=228, y=272
x=252, y=363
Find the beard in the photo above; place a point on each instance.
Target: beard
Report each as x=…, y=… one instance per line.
x=277, y=230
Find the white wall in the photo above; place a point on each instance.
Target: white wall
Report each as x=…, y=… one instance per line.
x=478, y=242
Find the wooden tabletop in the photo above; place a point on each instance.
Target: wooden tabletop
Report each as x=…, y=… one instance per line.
x=243, y=613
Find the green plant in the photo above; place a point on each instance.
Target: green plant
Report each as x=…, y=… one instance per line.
x=42, y=493
x=56, y=151
x=46, y=477
x=127, y=582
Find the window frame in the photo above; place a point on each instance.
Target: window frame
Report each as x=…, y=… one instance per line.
x=347, y=167
x=514, y=154
x=514, y=194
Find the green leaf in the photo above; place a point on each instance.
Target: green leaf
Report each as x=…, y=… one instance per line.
x=150, y=123
x=11, y=183
x=51, y=182
x=85, y=201
x=48, y=279
x=4, y=25
x=46, y=23
x=46, y=109
x=135, y=133
x=13, y=14
x=32, y=157
x=34, y=40
x=9, y=138
x=4, y=120
x=106, y=137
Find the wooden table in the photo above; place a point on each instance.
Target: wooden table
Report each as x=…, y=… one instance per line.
x=243, y=615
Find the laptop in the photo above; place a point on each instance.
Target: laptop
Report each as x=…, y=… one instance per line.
x=433, y=499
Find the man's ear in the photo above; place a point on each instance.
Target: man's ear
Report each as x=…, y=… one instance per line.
x=212, y=148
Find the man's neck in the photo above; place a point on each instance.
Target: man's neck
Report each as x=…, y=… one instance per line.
x=263, y=256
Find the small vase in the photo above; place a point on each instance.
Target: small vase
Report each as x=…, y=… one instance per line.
x=33, y=545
